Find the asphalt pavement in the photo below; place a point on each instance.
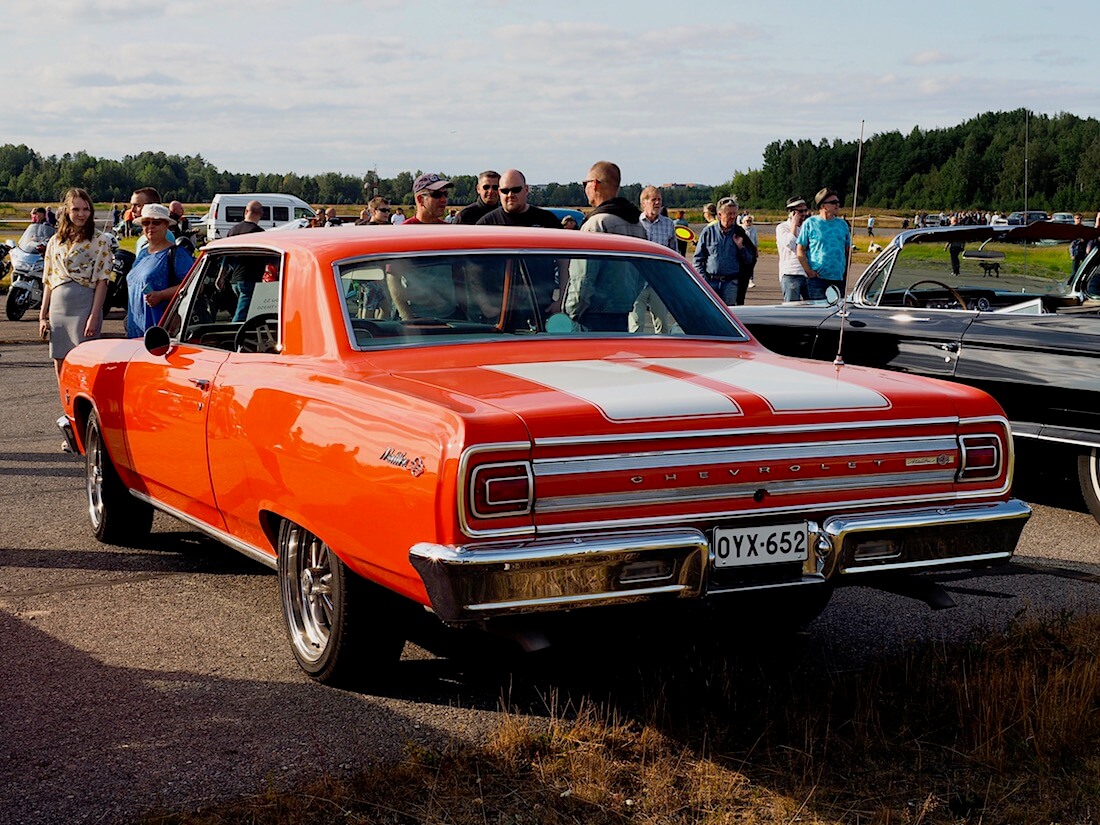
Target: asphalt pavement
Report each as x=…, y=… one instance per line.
x=161, y=675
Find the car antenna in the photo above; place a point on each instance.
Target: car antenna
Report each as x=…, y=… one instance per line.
x=843, y=313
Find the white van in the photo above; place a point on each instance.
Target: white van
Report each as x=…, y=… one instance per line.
x=228, y=209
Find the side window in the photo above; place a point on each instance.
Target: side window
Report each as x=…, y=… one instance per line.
x=227, y=293
x=302, y=212
x=281, y=213
x=234, y=214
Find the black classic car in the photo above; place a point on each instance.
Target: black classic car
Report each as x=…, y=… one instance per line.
x=998, y=307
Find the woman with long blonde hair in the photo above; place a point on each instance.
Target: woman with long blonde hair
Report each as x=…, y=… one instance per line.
x=76, y=270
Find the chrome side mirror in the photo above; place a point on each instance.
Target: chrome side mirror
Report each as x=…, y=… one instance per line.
x=833, y=294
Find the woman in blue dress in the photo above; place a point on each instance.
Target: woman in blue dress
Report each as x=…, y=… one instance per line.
x=153, y=281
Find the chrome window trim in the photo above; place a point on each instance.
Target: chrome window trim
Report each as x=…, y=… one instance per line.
x=741, y=335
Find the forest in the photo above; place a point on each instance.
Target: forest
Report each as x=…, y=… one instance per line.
x=992, y=161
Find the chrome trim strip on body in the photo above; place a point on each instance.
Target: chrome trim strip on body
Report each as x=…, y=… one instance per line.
x=1061, y=435
x=685, y=495
x=254, y=553
x=739, y=432
x=815, y=451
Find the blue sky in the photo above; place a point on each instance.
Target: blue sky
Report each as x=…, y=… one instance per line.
x=671, y=92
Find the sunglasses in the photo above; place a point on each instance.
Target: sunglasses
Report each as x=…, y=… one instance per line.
x=437, y=193
x=490, y=187
x=382, y=209
x=511, y=190
x=590, y=180
x=832, y=201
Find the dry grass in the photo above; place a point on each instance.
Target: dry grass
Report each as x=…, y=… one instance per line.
x=1006, y=730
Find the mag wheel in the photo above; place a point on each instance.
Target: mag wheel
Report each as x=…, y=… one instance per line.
x=117, y=517
x=1088, y=472
x=18, y=301
x=342, y=629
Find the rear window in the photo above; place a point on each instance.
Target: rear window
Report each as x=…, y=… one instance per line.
x=418, y=299
x=235, y=214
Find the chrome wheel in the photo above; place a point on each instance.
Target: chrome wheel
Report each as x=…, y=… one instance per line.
x=93, y=471
x=342, y=628
x=117, y=517
x=1088, y=473
x=307, y=593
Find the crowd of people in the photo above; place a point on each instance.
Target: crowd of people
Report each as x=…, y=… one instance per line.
x=814, y=248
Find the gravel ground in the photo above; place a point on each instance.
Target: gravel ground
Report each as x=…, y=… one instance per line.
x=161, y=676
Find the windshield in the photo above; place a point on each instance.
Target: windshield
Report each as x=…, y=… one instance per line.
x=1005, y=273
x=400, y=300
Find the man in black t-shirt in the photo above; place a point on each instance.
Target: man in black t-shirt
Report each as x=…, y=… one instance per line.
x=515, y=211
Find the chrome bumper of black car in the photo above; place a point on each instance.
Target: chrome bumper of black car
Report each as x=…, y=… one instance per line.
x=474, y=582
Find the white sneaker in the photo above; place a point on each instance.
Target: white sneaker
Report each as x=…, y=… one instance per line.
x=752, y=283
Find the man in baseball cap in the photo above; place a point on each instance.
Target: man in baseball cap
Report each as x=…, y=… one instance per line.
x=430, y=193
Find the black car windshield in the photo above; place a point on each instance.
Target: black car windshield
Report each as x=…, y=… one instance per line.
x=403, y=299
x=994, y=272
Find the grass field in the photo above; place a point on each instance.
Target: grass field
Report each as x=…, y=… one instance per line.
x=1003, y=730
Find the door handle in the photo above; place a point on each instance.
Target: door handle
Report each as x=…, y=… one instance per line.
x=950, y=346
x=201, y=383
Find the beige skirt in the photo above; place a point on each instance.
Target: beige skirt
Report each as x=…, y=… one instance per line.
x=70, y=306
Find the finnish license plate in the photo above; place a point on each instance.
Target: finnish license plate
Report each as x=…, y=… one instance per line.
x=770, y=544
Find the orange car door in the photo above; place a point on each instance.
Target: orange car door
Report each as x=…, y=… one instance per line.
x=166, y=401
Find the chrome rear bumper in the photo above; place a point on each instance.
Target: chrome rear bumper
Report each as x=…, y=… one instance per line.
x=473, y=582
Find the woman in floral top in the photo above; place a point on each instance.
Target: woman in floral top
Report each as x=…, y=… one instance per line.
x=76, y=271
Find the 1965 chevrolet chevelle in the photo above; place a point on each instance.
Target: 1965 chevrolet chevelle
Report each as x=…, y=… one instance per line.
x=458, y=419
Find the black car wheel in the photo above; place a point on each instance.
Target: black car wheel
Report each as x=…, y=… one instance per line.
x=117, y=517
x=1088, y=472
x=342, y=629
x=18, y=301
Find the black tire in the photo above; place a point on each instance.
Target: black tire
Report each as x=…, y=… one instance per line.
x=18, y=301
x=1088, y=473
x=342, y=628
x=117, y=517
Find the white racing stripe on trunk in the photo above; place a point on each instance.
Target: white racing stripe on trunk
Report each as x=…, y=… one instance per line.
x=625, y=391
x=784, y=389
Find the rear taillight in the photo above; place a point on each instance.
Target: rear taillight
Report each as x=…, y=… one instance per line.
x=498, y=490
x=982, y=457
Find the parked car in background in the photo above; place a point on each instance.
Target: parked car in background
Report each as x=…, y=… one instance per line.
x=1031, y=216
x=1013, y=322
x=226, y=210
x=404, y=419
x=1062, y=217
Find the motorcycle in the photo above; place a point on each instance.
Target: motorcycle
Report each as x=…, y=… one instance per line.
x=25, y=291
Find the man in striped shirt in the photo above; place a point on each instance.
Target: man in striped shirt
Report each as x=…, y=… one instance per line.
x=660, y=230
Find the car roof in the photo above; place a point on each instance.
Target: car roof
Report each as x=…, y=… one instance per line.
x=331, y=244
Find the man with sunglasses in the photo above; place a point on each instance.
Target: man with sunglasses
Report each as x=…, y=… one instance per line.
x=824, y=246
x=792, y=277
x=488, y=199
x=430, y=193
x=514, y=209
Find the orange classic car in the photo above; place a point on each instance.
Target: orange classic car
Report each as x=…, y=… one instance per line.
x=499, y=424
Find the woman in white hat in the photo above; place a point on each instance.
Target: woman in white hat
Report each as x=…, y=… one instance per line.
x=156, y=276
x=76, y=270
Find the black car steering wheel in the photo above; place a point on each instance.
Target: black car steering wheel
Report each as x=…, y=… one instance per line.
x=260, y=333
x=909, y=299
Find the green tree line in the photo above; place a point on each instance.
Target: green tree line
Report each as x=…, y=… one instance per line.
x=979, y=164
